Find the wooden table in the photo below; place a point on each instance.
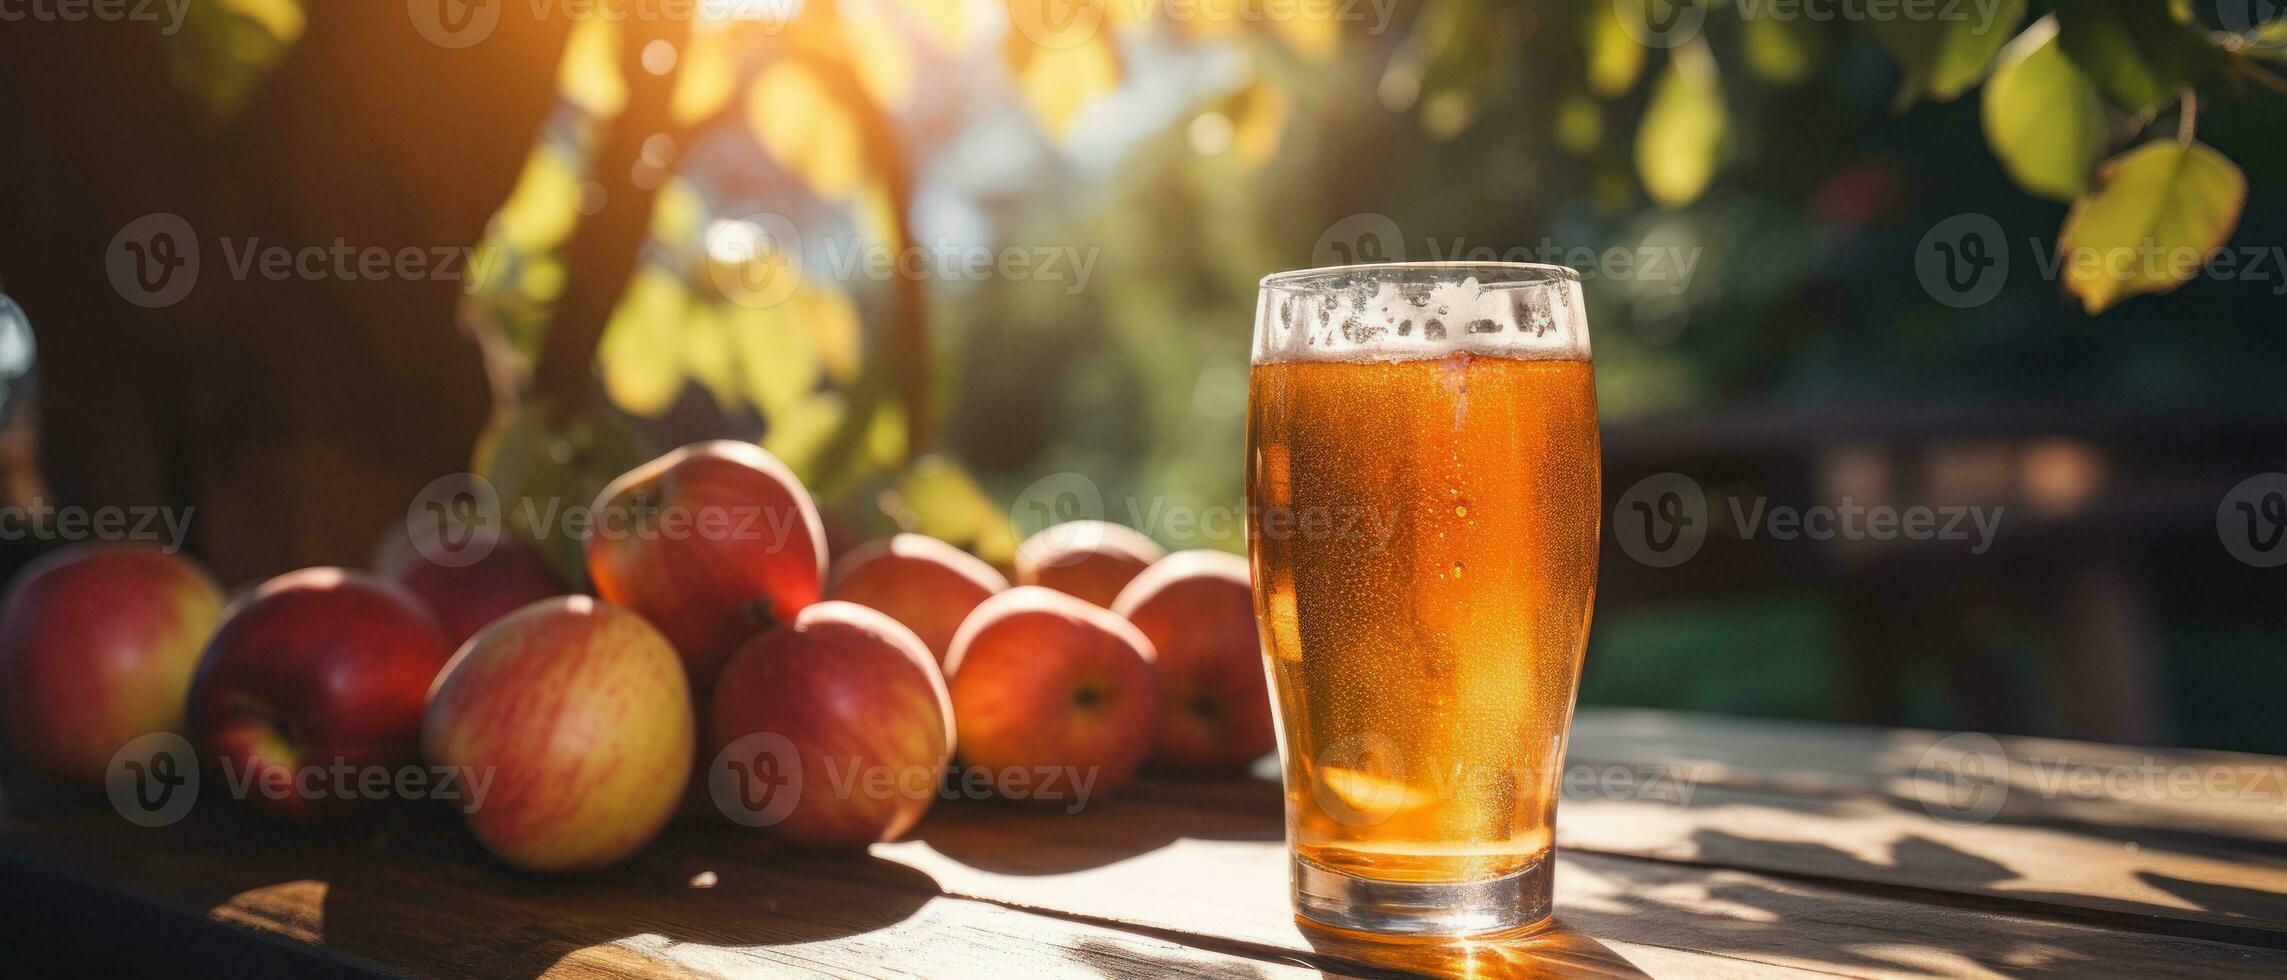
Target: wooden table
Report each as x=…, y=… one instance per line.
x=1767, y=848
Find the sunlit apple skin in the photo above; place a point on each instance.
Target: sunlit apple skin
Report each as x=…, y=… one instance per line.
x=467, y=598
x=852, y=690
x=1198, y=610
x=313, y=668
x=710, y=591
x=924, y=583
x=97, y=646
x=1092, y=560
x=580, y=713
x=1040, y=679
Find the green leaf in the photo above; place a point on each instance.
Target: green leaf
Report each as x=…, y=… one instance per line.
x=1615, y=60
x=1780, y=50
x=2043, y=118
x=1945, y=49
x=2140, y=54
x=2160, y=210
x=1683, y=127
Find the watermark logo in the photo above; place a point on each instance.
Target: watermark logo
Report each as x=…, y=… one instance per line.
x=168, y=14
x=1359, y=239
x=1067, y=506
x=2252, y=21
x=1963, y=261
x=1655, y=264
x=1967, y=778
x=1660, y=23
x=1058, y=24
x=153, y=779
x=1664, y=519
x=455, y=521
x=1963, y=778
x=455, y=23
x=755, y=261
x=154, y=261
x=168, y=527
x=756, y=780
x=2252, y=520
x=1661, y=521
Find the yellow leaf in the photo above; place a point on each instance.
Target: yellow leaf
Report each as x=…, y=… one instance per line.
x=642, y=371
x=709, y=358
x=828, y=316
x=946, y=504
x=677, y=212
x=799, y=432
x=1057, y=83
x=1313, y=32
x=778, y=361
x=1615, y=60
x=589, y=75
x=1682, y=129
x=545, y=206
x=944, y=23
x=705, y=80
x=805, y=129
x=884, y=63
x=1259, y=116
x=1579, y=125
x=2043, y=118
x=2159, y=211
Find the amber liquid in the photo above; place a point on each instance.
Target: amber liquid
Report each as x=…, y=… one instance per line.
x=1424, y=541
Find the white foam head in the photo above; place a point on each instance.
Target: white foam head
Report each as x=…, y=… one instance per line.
x=1415, y=310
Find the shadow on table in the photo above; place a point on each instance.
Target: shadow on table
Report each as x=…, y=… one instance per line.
x=1551, y=949
x=701, y=883
x=985, y=834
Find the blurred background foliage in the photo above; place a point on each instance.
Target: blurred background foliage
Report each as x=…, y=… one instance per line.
x=1171, y=153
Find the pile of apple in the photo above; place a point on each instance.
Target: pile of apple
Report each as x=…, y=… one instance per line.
x=591, y=714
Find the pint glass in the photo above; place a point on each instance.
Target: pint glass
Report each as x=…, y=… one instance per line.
x=1423, y=480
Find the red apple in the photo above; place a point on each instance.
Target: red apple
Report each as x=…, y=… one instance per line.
x=97, y=645
x=576, y=718
x=832, y=731
x=714, y=542
x=467, y=598
x=1215, y=706
x=1093, y=560
x=1048, y=687
x=316, y=669
x=924, y=583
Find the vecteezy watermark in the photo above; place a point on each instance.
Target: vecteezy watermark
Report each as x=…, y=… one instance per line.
x=153, y=781
x=169, y=527
x=458, y=519
x=1069, y=505
x=1663, y=520
x=1069, y=23
x=154, y=262
x=760, y=259
x=2253, y=21
x=1965, y=260
x=1668, y=23
x=2252, y=520
x=1967, y=778
x=1369, y=237
x=758, y=779
x=1363, y=779
x=467, y=23
x=168, y=14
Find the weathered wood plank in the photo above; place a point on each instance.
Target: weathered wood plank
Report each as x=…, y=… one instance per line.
x=707, y=903
x=1193, y=870
x=2050, y=781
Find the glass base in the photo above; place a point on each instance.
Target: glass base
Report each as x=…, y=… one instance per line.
x=1412, y=908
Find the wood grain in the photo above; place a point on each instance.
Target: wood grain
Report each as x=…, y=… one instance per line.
x=1794, y=851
